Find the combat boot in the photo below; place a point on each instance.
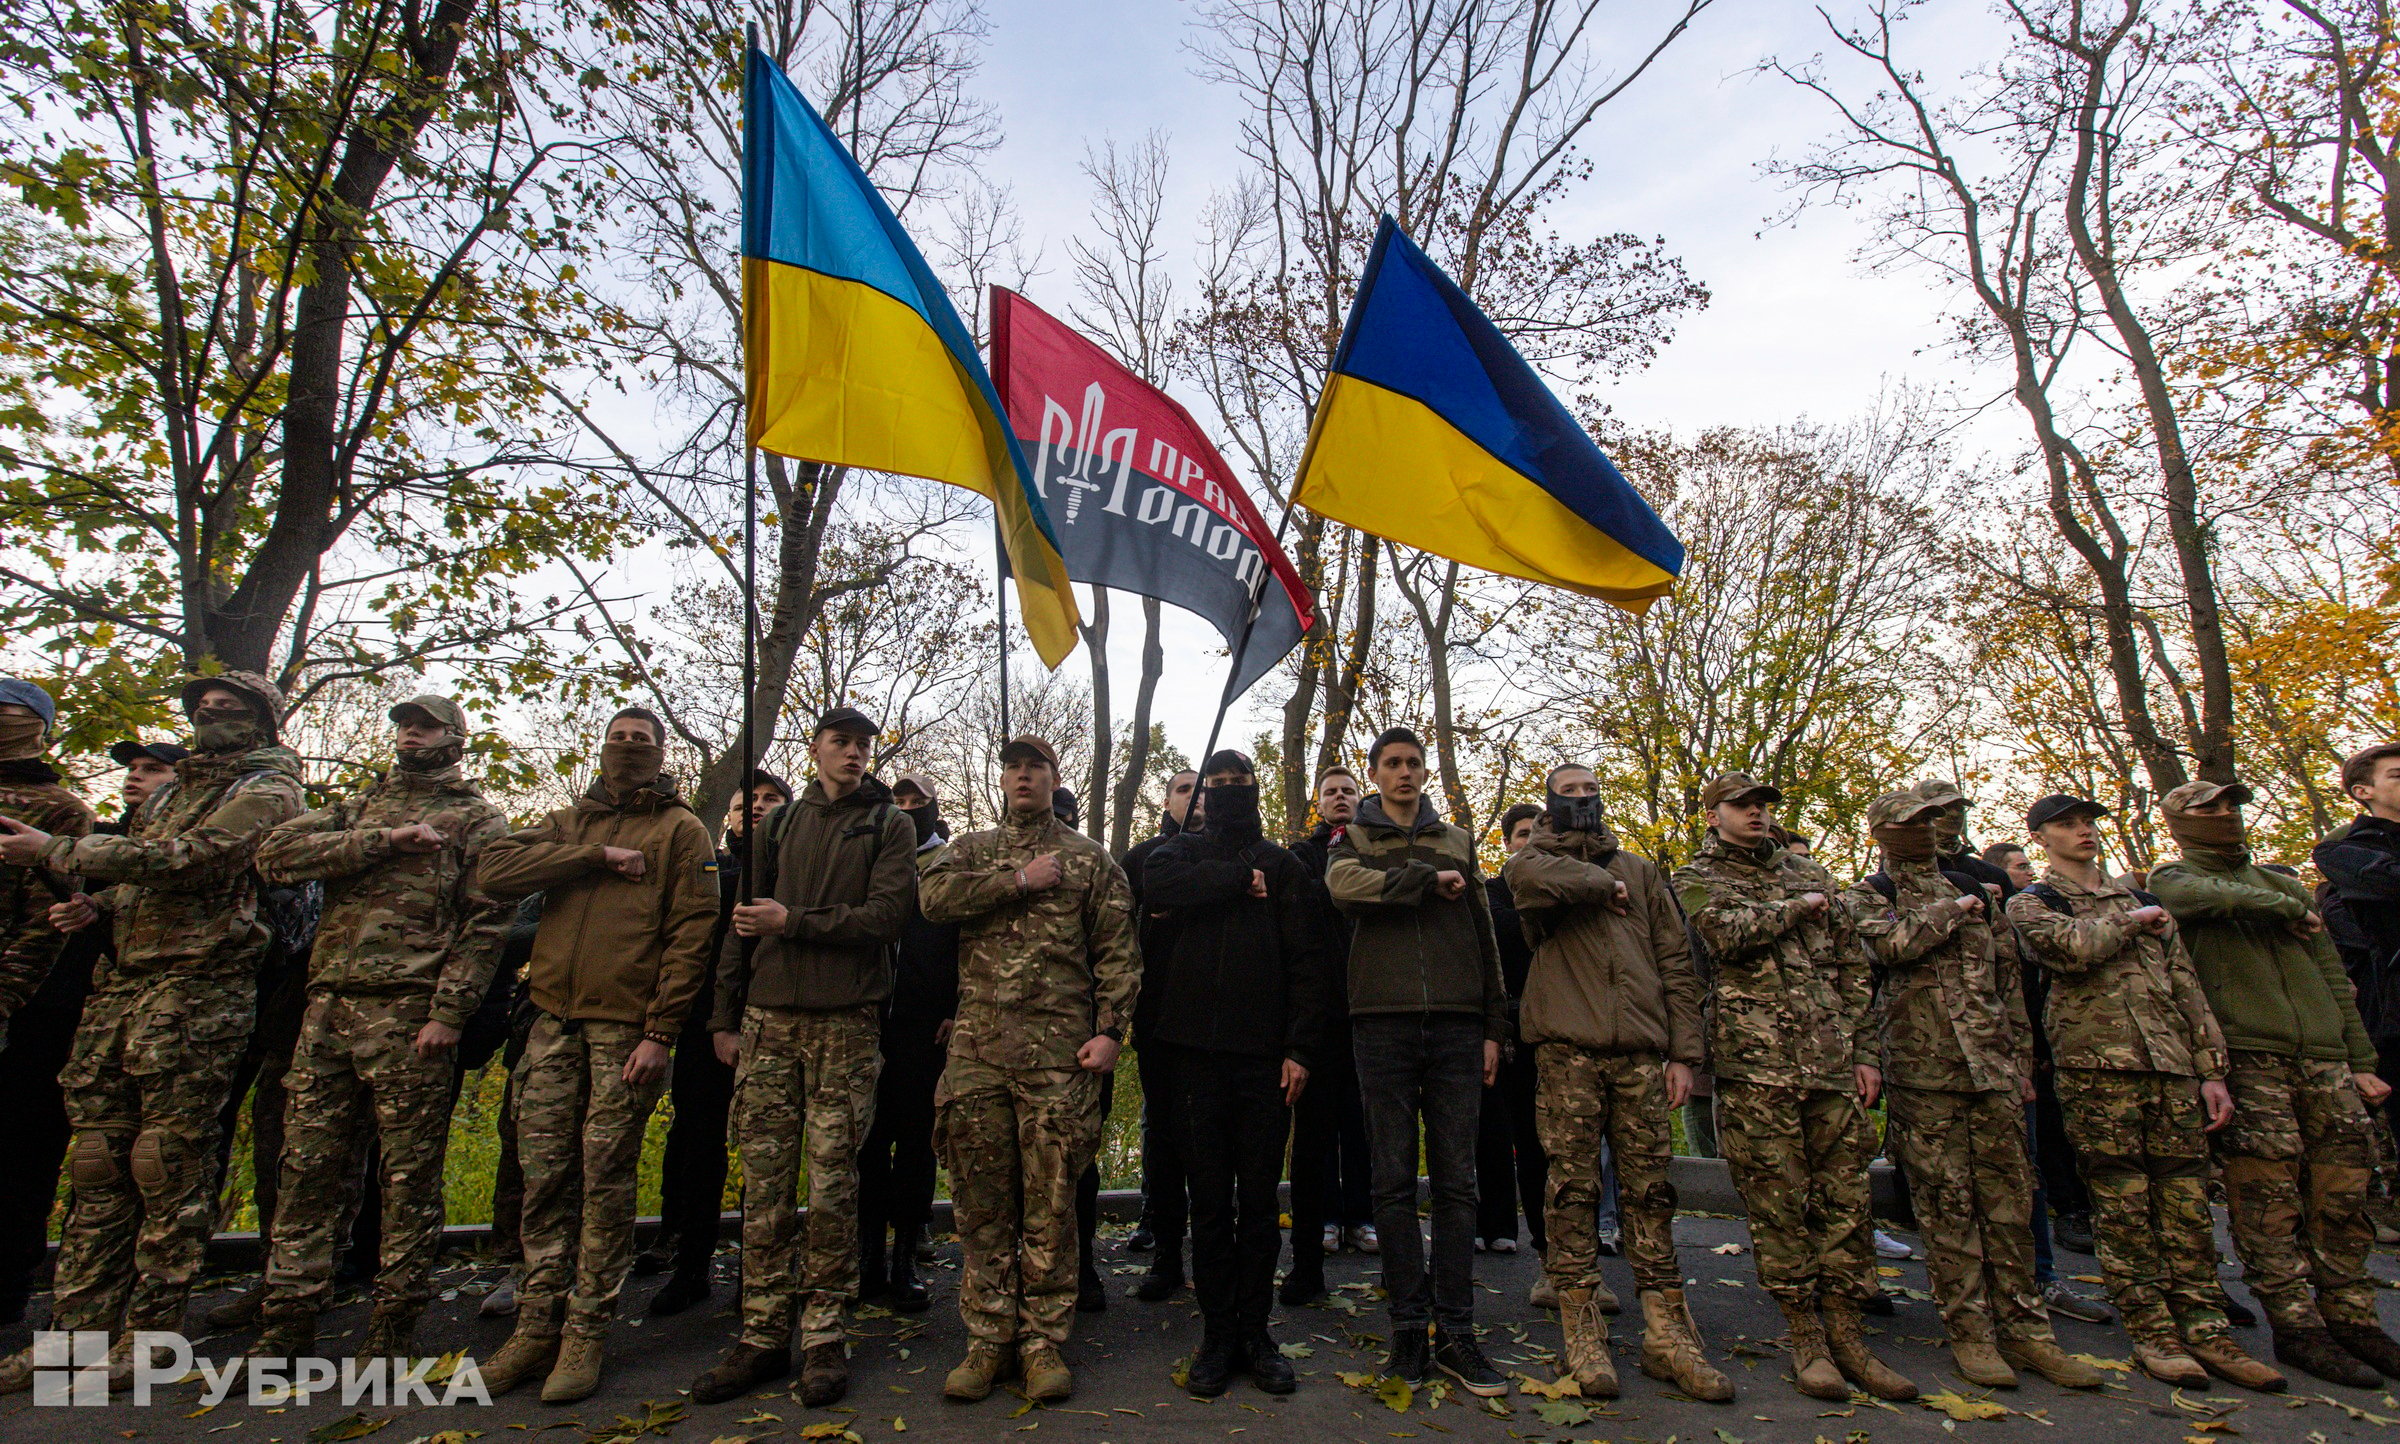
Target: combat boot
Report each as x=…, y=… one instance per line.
x=1813, y=1371
x=1211, y=1371
x=1543, y=1294
x=1586, y=1356
x=291, y=1336
x=1269, y=1369
x=2369, y=1345
x=1165, y=1278
x=1979, y=1363
x=1846, y=1340
x=2221, y=1356
x=238, y=1312
x=576, y=1375
x=1604, y=1298
x=984, y=1367
x=530, y=1350
x=2046, y=1358
x=824, y=1374
x=747, y=1367
x=1047, y=1379
x=16, y=1372
x=1671, y=1348
x=908, y=1294
x=2166, y=1361
x=391, y=1332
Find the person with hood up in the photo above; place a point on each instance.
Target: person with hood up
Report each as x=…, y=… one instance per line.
x=405, y=949
x=2296, y=1157
x=629, y=885
x=1048, y=970
x=800, y=1014
x=1612, y=1011
x=1428, y=1013
x=1240, y=915
x=29, y=792
x=168, y=1016
x=1958, y=1070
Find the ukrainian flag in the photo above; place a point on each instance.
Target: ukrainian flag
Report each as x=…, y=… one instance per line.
x=1433, y=432
x=852, y=353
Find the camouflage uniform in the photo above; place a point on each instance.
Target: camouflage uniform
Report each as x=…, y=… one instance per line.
x=805, y=1088
x=405, y=940
x=29, y=792
x=579, y=1141
x=165, y=1026
x=1583, y=1097
x=1957, y=1052
x=2296, y=1158
x=1017, y=1118
x=1790, y=1015
x=2132, y=1036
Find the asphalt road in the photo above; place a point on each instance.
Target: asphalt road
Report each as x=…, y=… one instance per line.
x=1125, y=1360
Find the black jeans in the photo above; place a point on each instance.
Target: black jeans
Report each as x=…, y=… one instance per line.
x=692, y=1170
x=1423, y=1068
x=1329, y=1154
x=896, y=1167
x=1230, y=1122
x=34, y=1131
x=1166, y=1189
x=1510, y=1168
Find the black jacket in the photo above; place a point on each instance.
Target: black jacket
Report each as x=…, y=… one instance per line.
x=1152, y=929
x=2361, y=864
x=1516, y=954
x=1245, y=974
x=925, y=982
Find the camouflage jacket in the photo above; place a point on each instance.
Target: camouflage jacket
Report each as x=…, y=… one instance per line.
x=1038, y=975
x=1792, y=1003
x=29, y=792
x=1952, y=1005
x=185, y=900
x=398, y=923
x=2120, y=998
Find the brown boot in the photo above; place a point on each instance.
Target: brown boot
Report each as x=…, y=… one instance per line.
x=2166, y=1361
x=985, y=1365
x=391, y=1332
x=2046, y=1358
x=2221, y=1356
x=238, y=1312
x=1846, y=1340
x=293, y=1336
x=2370, y=1345
x=824, y=1375
x=1671, y=1348
x=530, y=1350
x=1586, y=1356
x=747, y=1367
x=576, y=1375
x=1979, y=1363
x=1812, y=1367
x=1047, y=1379
x=1603, y=1298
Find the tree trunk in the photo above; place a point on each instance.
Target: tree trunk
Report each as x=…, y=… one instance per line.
x=1341, y=694
x=1095, y=786
x=1298, y=793
x=1137, y=744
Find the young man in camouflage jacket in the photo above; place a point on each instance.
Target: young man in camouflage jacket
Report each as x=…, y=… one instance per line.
x=29, y=792
x=404, y=953
x=167, y=1018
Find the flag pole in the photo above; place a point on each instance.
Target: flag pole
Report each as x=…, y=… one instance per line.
x=1000, y=603
x=1233, y=676
x=742, y=792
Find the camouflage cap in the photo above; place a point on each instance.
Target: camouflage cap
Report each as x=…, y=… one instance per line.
x=1028, y=745
x=1942, y=794
x=2200, y=794
x=261, y=692
x=1905, y=805
x=1735, y=787
x=431, y=708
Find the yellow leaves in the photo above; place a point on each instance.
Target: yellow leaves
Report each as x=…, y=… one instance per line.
x=2097, y=1361
x=1396, y=1393
x=1962, y=1407
x=1564, y=1388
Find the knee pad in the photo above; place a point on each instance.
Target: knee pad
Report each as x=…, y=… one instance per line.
x=149, y=1163
x=92, y=1162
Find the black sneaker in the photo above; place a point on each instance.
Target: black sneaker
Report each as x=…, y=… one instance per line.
x=1303, y=1286
x=2072, y=1231
x=689, y=1286
x=1878, y=1303
x=1458, y=1355
x=1269, y=1369
x=1412, y=1354
x=1211, y=1369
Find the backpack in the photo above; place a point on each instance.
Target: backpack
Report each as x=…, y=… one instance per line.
x=2057, y=902
x=1967, y=886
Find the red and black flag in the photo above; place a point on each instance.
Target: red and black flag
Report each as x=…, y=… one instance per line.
x=1139, y=499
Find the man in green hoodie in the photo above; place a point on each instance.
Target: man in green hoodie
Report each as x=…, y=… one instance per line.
x=168, y=1015
x=2297, y=1154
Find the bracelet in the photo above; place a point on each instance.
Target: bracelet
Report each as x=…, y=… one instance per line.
x=661, y=1039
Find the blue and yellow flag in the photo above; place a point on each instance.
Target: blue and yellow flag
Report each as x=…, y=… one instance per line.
x=1433, y=432
x=851, y=350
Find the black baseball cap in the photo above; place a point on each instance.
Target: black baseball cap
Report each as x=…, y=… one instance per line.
x=847, y=719
x=127, y=753
x=2061, y=805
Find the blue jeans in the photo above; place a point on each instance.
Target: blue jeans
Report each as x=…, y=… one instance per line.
x=1423, y=1068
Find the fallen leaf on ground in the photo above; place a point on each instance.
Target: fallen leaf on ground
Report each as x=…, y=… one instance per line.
x=1963, y=1407
x=2121, y=1366
x=349, y=1426
x=1562, y=1413
x=1557, y=1389
x=1395, y=1394
x=1729, y=1250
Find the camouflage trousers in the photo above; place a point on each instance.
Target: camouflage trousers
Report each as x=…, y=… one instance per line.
x=2144, y=1153
x=1972, y=1183
x=806, y=1088
x=145, y=1084
x=1799, y=1157
x=1580, y=1098
x=2295, y=1159
x=1015, y=1140
x=578, y=1121
x=355, y=1075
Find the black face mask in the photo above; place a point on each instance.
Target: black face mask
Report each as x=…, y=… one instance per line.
x=1574, y=814
x=1232, y=809
x=928, y=822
